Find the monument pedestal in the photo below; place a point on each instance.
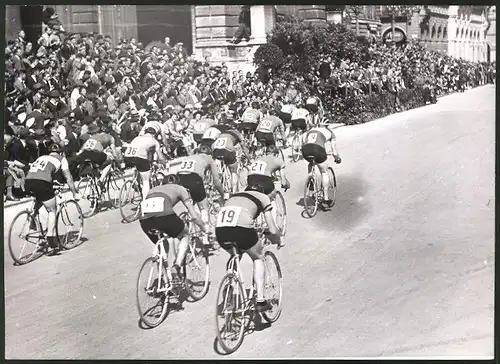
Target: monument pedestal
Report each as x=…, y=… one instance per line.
x=213, y=33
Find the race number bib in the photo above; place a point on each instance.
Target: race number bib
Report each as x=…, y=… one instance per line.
x=90, y=144
x=39, y=165
x=220, y=144
x=211, y=133
x=131, y=152
x=152, y=205
x=311, y=138
x=266, y=125
x=199, y=128
x=228, y=216
x=258, y=167
x=249, y=118
x=187, y=166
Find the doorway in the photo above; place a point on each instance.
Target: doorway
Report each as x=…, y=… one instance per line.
x=31, y=20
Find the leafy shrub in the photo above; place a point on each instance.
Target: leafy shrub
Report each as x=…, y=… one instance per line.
x=269, y=55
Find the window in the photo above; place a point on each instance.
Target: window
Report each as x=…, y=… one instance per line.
x=445, y=34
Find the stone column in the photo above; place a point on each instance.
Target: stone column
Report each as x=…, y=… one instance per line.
x=262, y=21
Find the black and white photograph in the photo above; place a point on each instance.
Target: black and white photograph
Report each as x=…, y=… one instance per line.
x=249, y=181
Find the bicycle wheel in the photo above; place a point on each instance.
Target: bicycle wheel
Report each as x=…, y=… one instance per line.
x=197, y=269
x=295, y=146
x=280, y=212
x=310, y=197
x=152, y=304
x=130, y=200
x=69, y=225
x=332, y=186
x=24, y=242
x=158, y=179
x=114, y=185
x=90, y=196
x=273, y=287
x=226, y=178
x=230, y=313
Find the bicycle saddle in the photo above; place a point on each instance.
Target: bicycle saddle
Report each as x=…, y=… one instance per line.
x=157, y=232
x=310, y=158
x=231, y=247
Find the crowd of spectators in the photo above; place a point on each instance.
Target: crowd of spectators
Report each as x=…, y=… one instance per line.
x=56, y=89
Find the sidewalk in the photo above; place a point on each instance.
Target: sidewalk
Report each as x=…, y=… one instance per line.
x=127, y=173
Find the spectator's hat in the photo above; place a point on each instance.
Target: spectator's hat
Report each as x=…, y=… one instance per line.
x=93, y=129
x=54, y=94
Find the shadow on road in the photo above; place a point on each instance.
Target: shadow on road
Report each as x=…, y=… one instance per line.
x=351, y=206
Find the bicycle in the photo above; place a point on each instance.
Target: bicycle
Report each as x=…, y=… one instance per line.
x=234, y=307
x=131, y=192
x=314, y=188
x=36, y=235
x=296, y=145
x=91, y=191
x=160, y=284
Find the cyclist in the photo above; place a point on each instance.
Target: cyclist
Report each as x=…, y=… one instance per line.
x=224, y=148
x=286, y=114
x=235, y=223
x=39, y=183
x=315, y=107
x=251, y=117
x=301, y=118
x=210, y=135
x=140, y=153
x=200, y=127
x=263, y=170
x=192, y=170
x=93, y=150
x=159, y=130
x=267, y=128
x=314, y=144
x=158, y=214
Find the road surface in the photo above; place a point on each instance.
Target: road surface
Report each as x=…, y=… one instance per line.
x=402, y=266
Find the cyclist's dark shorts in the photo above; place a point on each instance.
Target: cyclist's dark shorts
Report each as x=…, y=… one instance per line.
x=172, y=225
x=93, y=155
x=206, y=141
x=312, y=108
x=266, y=138
x=249, y=126
x=142, y=165
x=194, y=183
x=265, y=181
x=245, y=238
x=285, y=117
x=228, y=156
x=197, y=138
x=299, y=124
x=40, y=189
x=318, y=152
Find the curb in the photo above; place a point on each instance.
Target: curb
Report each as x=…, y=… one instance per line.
x=26, y=200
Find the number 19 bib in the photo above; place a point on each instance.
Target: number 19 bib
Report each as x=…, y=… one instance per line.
x=228, y=216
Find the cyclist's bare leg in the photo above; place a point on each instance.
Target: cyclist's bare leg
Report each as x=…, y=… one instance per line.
x=145, y=183
x=51, y=207
x=203, y=206
x=183, y=238
x=106, y=169
x=233, y=168
x=255, y=254
x=325, y=180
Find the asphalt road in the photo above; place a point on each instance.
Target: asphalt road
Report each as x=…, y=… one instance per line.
x=402, y=266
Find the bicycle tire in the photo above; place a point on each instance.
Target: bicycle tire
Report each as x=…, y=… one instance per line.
x=113, y=184
x=159, y=178
x=332, y=186
x=89, y=194
x=273, y=316
x=162, y=296
x=280, y=201
x=311, y=209
x=65, y=243
x=195, y=262
x=239, y=307
x=24, y=259
x=295, y=145
x=127, y=187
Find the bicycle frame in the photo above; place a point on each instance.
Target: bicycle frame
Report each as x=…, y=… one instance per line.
x=234, y=266
x=160, y=253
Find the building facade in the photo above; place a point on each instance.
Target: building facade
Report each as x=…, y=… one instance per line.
x=467, y=32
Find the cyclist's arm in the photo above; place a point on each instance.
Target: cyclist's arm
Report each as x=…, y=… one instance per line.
x=67, y=174
x=188, y=202
x=216, y=179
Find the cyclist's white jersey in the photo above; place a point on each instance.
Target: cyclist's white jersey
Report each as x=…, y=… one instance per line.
x=211, y=133
x=300, y=113
x=142, y=147
x=151, y=124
